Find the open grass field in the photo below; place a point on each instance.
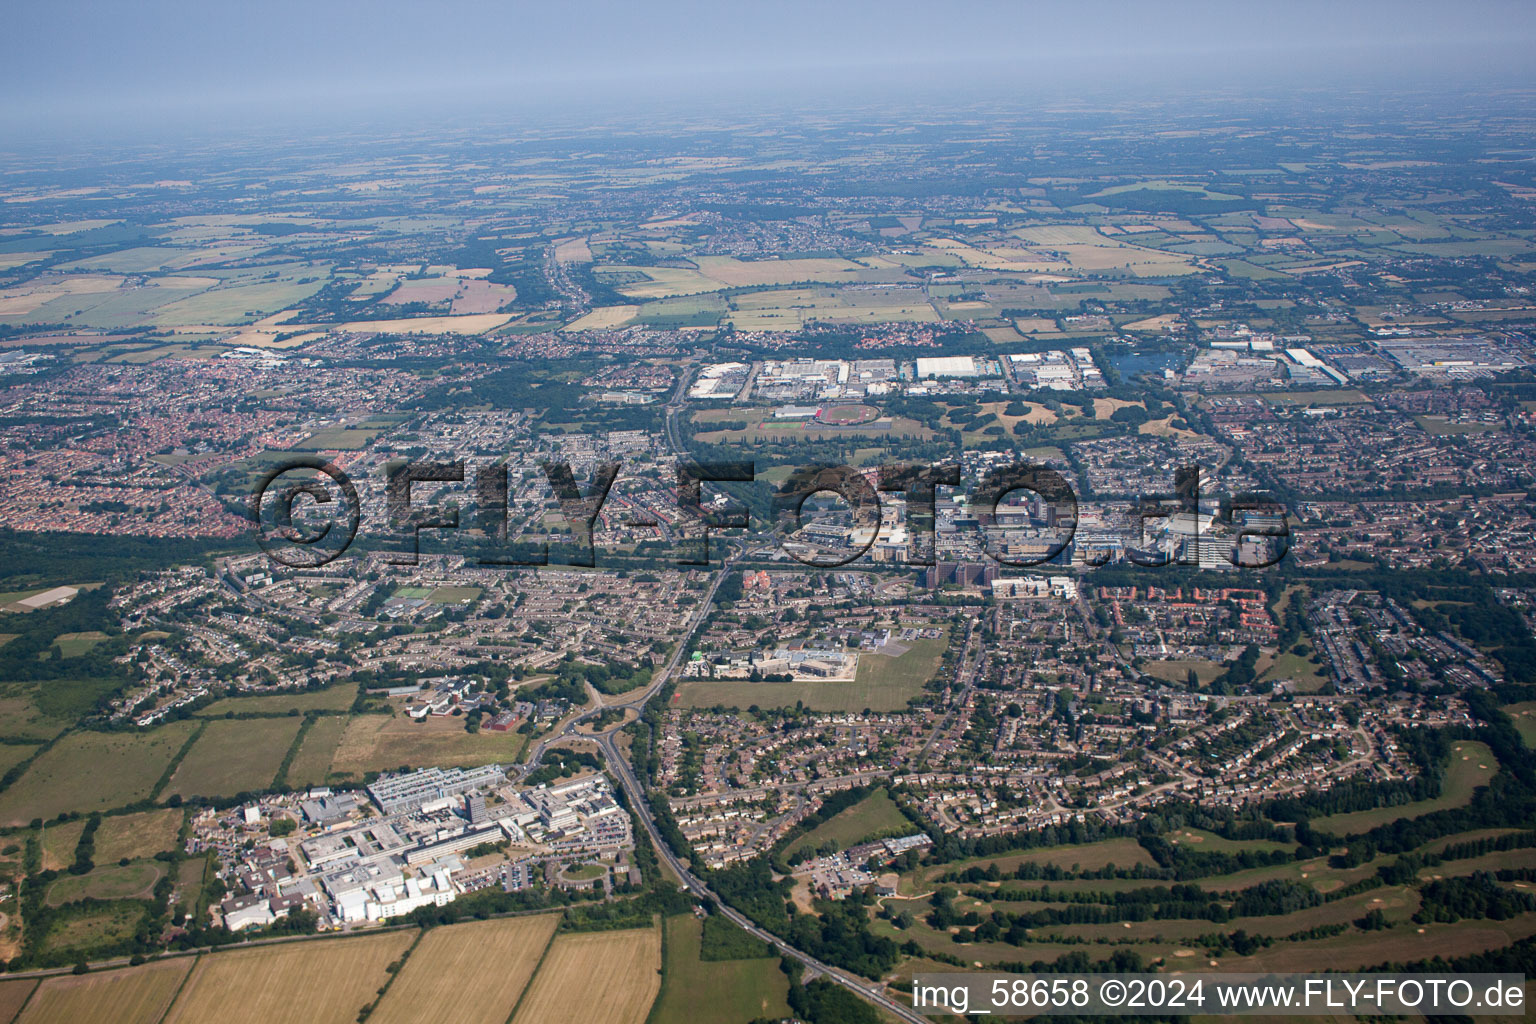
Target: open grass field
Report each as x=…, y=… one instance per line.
x=138, y=995
x=324, y=982
x=611, y=977
x=1311, y=398
x=1178, y=671
x=469, y=324
x=12, y=754
x=137, y=836
x=109, y=882
x=59, y=842
x=1296, y=667
x=792, y=308
x=1354, y=949
x=92, y=771
x=883, y=683
x=755, y=273
x=93, y=925
x=312, y=763
x=603, y=318
x=379, y=743
x=876, y=814
x=233, y=756
x=1397, y=904
x=332, y=698
x=1123, y=853
x=72, y=645
x=449, y=962
x=1524, y=717
x=453, y=595
x=1199, y=839
x=695, y=991
x=761, y=427
x=1471, y=765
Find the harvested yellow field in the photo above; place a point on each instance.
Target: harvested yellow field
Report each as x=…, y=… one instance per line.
x=451, y=961
x=603, y=318
x=748, y=273
x=1035, y=414
x=1167, y=321
x=1104, y=408
x=574, y=250
x=1036, y=325
x=473, y=323
x=19, y=259
x=327, y=981
x=137, y=995
x=665, y=282
x=137, y=836
x=13, y=994
x=1164, y=428
x=591, y=976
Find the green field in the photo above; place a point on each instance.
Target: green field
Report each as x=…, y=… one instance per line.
x=1310, y=398
x=1524, y=717
x=115, y=882
x=312, y=763
x=1471, y=765
x=234, y=756
x=72, y=645
x=1295, y=667
x=91, y=771
x=332, y=698
x=413, y=593
x=695, y=991
x=12, y=754
x=453, y=595
x=883, y=684
x=1123, y=853
x=875, y=815
x=1178, y=671
x=93, y=924
x=137, y=836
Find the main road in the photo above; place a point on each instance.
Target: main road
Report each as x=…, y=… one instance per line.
x=621, y=770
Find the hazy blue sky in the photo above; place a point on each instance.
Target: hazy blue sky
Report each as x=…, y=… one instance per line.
x=64, y=58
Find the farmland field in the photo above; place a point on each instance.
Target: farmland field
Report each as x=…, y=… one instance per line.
x=312, y=763
x=330, y=979
x=603, y=318
x=233, y=756
x=332, y=698
x=595, y=976
x=59, y=842
x=379, y=743
x=91, y=771
x=450, y=961
x=137, y=836
x=696, y=991
x=137, y=995
x=1471, y=765
x=12, y=995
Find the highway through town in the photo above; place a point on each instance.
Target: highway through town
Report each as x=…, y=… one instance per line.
x=620, y=768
